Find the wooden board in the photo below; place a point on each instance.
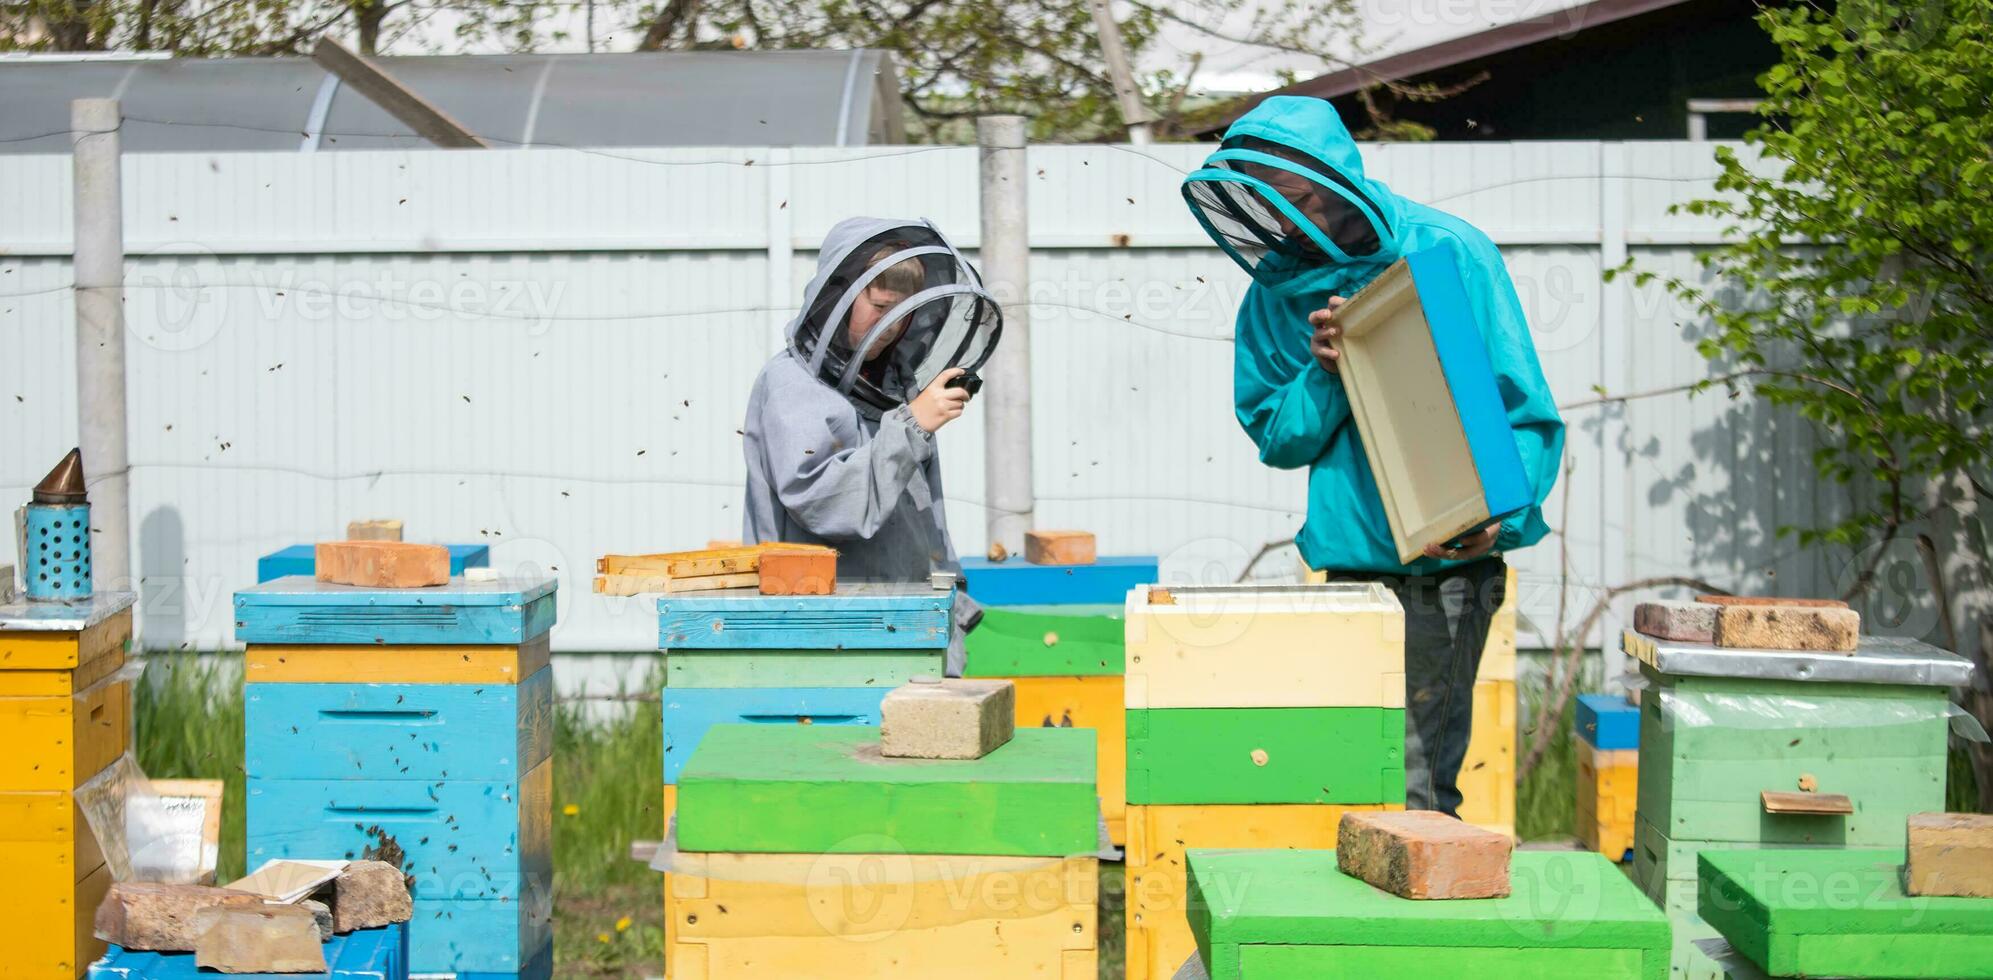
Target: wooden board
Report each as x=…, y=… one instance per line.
x=1335, y=645
x=355, y=664
x=1016, y=582
x=1091, y=702
x=1423, y=396
x=1840, y=913
x=1311, y=755
x=1043, y=642
x=799, y=668
x=46, y=837
x=1487, y=778
x=640, y=583
x=881, y=915
x=789, y=789
x=1158, y=934
x=689, y=712
x=1705, y=766
x=58, y=743
x=909, y=617
x=424, y=732
x=1292, y=914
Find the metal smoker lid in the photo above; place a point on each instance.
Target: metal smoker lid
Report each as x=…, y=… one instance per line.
x=1878, y=660
x=64, y=484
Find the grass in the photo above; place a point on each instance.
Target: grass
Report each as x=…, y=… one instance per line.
x=608, y=791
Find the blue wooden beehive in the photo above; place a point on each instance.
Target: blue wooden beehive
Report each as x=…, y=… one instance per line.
x=365, y=954
x=457, y=771
x=870, y=616
x=1607, y=722
x=1017, y=582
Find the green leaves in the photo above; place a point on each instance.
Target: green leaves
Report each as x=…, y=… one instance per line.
x=1866, y=247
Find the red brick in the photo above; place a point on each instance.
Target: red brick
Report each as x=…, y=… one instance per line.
x=1768, y=600
x=1058, y=547
x=1424, y=855
x=383, y=564
x=1683, y=622
x=786, y=571
x=1818, y=628
x=1951, y=854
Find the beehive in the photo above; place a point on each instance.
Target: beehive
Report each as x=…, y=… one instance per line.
x=65, y=718
x=420, y=715
x=1293, y=914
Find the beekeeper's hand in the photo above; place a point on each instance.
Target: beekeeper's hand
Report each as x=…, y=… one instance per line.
x=1467, y=548
x=1326, y=333
x=939, y=404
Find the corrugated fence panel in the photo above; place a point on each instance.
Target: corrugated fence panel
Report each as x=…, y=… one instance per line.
x=550, y=351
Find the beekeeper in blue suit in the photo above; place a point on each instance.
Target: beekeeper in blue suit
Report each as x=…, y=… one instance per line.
x=1286, y=196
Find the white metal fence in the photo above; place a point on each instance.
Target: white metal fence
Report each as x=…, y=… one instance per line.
x=549, y=351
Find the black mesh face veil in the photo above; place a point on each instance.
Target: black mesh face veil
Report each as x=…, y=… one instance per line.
x=900, y=307
x=1292, y=205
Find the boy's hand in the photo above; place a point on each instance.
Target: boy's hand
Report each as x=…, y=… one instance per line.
x=1326, y=333
x=939, y=404
x=1470, y=547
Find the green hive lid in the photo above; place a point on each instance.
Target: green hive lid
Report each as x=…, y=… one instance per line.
x=1834, y=912
x=824, y=789
x=1560, y=900
x=1011, y=642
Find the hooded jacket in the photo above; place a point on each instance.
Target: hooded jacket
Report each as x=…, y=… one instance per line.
x=1295, y=411
x=828, y=468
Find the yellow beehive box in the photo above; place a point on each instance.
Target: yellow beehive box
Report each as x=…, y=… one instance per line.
x=39, y=662
x=1340, y=644
x=1086, y=702
x=56, y=877
x=362, y=664
x=58, y=742
x=881, y=915
x=1498, y=654
x=1158, y=934
x=1607, y=789
x=1488, y=773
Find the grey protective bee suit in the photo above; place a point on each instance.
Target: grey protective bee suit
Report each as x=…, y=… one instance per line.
x=833, y=453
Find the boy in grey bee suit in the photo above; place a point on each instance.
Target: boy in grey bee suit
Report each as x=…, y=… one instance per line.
x=840, y=433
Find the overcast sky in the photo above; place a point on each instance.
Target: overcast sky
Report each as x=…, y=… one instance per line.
x=1390, y=26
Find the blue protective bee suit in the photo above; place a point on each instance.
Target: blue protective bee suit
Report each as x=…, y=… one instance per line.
x=1346, y=230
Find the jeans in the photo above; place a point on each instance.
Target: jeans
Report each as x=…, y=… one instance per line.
x=1446, y=625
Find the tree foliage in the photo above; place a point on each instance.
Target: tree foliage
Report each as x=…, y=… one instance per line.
x=1865, y=249
x=214, y=28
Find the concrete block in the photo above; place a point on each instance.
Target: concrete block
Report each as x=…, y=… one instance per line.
x=1951, y=854
x=321, y=916
x=1763, y=627
x=383, y=564
x=153, y=916
x=1683, y=622
x=1424, y=855
x=369, y=894
x=956, y=718
x=1059, y=547
x=258, y=939
x=795, y=571
x=373, y=531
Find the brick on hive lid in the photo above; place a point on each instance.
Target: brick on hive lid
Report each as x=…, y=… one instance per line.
x=1059, y=547
x=952, y=718
x=383, y=564
x=1421, y=854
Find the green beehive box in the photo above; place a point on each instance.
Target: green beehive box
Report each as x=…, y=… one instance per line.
x=798, y=668
x=817, y=789
x=1046, y=641
x=1278, y=914
x=1840, y=913
x=1718, y=728
x=1266, y=755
